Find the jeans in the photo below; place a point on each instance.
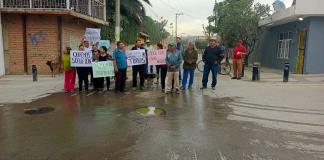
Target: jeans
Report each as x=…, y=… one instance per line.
x=187, y=72
x=151, y=69
x=180, y=77
x=138, y=69
x=214, y=69
x=120, y=80
x=145, y=68
x=164, y=71
x=158, y=71
x=83, y=73
x=99, y=83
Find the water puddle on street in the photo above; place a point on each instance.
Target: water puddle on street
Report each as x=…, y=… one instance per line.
x=38, y=110
x=150, y=111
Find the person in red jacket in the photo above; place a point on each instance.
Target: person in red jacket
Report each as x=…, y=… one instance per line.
x=239, y=53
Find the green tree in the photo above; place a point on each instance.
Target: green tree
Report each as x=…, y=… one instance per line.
x=132, y=13
x=133, y=20
x=155, y=29
x=238, y=19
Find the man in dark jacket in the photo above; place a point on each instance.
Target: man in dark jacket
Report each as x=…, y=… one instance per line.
x=212, y=57
x=138, y=68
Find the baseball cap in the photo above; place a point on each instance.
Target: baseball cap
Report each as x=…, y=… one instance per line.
x=172, y=44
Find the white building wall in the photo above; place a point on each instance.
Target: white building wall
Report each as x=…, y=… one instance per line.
x=310, y=7
x=2, y=64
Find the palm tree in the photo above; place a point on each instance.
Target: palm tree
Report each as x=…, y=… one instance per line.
x=132, y=13
x=130, y=9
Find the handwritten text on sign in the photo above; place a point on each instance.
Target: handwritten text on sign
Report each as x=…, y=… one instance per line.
x=81, y=59
x=136, y=57
x=92, y=34
x=156, y=57
x=103, y=69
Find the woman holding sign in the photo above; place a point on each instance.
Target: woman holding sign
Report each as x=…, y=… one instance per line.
x=161, y=70
x=103, y=57
x=83, y=74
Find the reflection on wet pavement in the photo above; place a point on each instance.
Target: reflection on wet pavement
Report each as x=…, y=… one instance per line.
x=196, y=126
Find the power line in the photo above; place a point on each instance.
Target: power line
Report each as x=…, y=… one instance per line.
x=155, y=14
x=167, y=4
x=177, y=10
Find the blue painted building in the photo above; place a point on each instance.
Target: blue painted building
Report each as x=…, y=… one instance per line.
x=295, y=35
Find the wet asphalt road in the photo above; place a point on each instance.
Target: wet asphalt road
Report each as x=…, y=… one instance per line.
x=106, y=127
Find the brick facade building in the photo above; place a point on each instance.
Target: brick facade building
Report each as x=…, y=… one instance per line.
x=35, y=35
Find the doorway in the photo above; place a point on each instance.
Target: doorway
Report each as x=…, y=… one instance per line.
x=301, y=51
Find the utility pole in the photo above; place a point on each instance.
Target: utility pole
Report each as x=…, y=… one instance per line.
x=176, y=25
x=215, y=12
x=117, y=29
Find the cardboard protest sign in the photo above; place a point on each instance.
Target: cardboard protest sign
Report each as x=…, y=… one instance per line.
x=156, y=57
x=105, y=43
x=92, y=34
x=136, y=57
x=81, y=58
x=103, y=69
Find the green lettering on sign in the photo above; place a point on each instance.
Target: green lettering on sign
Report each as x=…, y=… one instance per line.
x=103, y=69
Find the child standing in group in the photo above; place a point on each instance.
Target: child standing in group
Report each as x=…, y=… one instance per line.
x=83, y=74
x=69, y=72
x=120, y=65
x=173, y=60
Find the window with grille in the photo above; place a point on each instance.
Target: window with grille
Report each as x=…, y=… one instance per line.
x=284, y=45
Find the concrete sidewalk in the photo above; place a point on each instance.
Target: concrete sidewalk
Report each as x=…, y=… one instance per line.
x=274, y=75
x=22, y=89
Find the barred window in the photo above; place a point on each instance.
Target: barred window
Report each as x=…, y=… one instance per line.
x=284, y=45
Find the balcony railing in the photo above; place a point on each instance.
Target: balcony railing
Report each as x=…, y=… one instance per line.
x=93, y=8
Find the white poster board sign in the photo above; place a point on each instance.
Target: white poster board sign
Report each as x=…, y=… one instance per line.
x=92, y=35
x=136, y=57
x=81, y=58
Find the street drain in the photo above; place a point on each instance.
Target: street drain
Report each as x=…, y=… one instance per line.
x=39, y=110
x=150, y=111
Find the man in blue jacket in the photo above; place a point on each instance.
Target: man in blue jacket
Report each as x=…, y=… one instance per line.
x=212, y=57
x=173, y=60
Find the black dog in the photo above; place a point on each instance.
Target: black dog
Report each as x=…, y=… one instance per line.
x=150, y=78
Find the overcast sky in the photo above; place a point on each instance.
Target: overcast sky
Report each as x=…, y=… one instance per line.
x=195, y=13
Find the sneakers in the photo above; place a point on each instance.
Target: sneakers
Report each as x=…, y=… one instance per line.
x=213, y=88
x=183, y=88
x=190, y=87
x=239, y=78
x=134, y=89
x=234, y=78
x=177, y=91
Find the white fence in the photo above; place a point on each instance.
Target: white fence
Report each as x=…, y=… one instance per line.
x=93, y=8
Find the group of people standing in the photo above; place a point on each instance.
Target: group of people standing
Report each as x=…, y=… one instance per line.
x=98, y=54
x=180, y=66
